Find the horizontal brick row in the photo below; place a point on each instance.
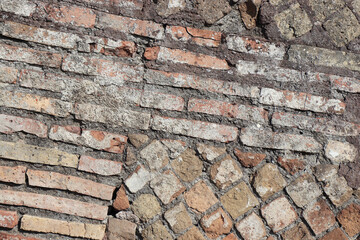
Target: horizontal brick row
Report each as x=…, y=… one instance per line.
x=19, y=7
x=10, y=124
x=73, y=229
x=196, y=36
x=8, y=74
x=12, y=174
x=130, y=4
x=55, y=204
x=8, y=219
x=99, y=166
x=10, y=236
x=346, y=84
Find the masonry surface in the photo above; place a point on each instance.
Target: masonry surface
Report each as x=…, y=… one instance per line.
x=178, y=119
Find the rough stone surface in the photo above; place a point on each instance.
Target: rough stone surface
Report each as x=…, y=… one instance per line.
x=319, y=216
x=210, y=153
x=146, y=206
x=155, y=155
x=121, y=201
x=188, y=166
x=216, y=223
x=138, y=139
x=200, y=197
x=225, y=172
x=156, y=231
x=251, y=227
x=167, y=186
x=192, y=234
x=120, y=229
x=168, y=7
x=339, y=152
x=249, y=159
x=336, y=234
x=138, y=179
x=298, y=232
x=303, y=190
x=212, y=10
x=178, y=218
x=349, y=219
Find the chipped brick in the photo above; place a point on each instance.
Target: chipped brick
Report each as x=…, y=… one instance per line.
x=8, y=74
x=249, y=159
x=120, y=229
x=251, y=227
x=8, y=219
x=200, y=197
x=319, y=216
x=10, y=124
x=138, y=179
x=167, y=186
x=216, y=223
x=210, y=153
x=121, y=201
x=158, y=100
x=225, y=172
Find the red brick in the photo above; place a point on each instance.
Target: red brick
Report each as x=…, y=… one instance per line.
x=55, y=204
x=8, y=74
x=204, y=84
x=200, y=37
x=190, y=58
x=319, y=216
x=193, y=128
x=164, y=101
x=121, y=201
x=70, y=183
x=12, y=174
x=230, y=237
x=292, y=165
x=131, y=25
x=10, y=236
x=19, y=54
x=78, y=16
x=10, y=124
x=227, y=109
x=349, y=219
x=345, y=84
x=335, y=234
x=99, y=166
x=216, y=223
x=108, y=47
x=249, y=159
x=8, y=219
x=99, y=140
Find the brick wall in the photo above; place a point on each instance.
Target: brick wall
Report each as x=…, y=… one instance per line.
x=139, y=120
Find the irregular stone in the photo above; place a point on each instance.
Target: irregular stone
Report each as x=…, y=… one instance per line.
x=120, y=229
x=176, y=147
x=230, y=237
x=325, y=9
x=268, y=180
x=99, y=166
x=291, y=164
x=251, y=227
x=303, y=190
x=335, y=234
x=319, y=216
x=146, y=207
x=212, y=10
x=167, y=186
x=192, y=234
x=156, y=231
x=200, y=197
x=155, y=155
x=130, y=157
x=216, y=223
x=298, y=232
x=188, y=166
x=127, y=215
x=225, y=172
x=239, y=200
x=249, y=11
x=349, y=219
x=121, y=201
x=178, y=218
x=138, y=179
x=210, y=153
x=339, y=152
x=249, y=159
x=138, y=139
x=166, y=8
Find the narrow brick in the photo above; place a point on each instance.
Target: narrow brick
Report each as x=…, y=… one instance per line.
x=301, y=101
x=108, y=71
x=345, y=84
x=39, y=35
x=204, y=84
x=99, y=166
x=19, y=7
x=70, y=183
x=256, y=47
x=73, y=229
x=10, y=236
x=13, y=174
x=302, y=54
x=8, y=74
x=322, y=125
x=230, y=110
x=35, y=103
x=196, y=36
x=78, y=16
x=117, y=116
x=131, y=25
x=19, y=54
x=265, y=138
x=19, y=151
x=164, y=54
x=55, y=204
x=194, y=128
x=130, y=4
x=10, y=124
x=99, y=140
x=164, y=101
x=8, y=219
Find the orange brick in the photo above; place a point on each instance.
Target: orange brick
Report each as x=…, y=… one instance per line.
x=73, y=184
x=200, y=37
x=8, y=219
x=10, y=124
x=191, y=58
x=9, y=236
x=99, y=166
x=55, y=204
x=121, y=201
x=13, y=174
x=249, y=159
x=82, y=17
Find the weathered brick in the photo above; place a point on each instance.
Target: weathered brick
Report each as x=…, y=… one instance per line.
x=227, y=109
x=19, y=151
x=107, y=71
x=216, y=223
x=322, y=125
x=118, y=116
x=194, y=128
x=319, y=216
x=164, y=54
x=138, y=179
x=78, y=16
x=8, y=74
x=200, y=197
x=167, y=186
x=178, y=218
x=19, y=54
x=39, y=35
x=294, y=163
x=204, y=84
x=131, y=4
x=12, y=174
x=8, y=219
x=10, y=124
x=249, y=159
x=164, y=101
x=303, y=190
x=251, y=227
x=298, y=232
x=120, y=229
x=155, y=155
x=99, y=140
x=301, y=101
x=187, y=166
x=121, y=201
x=200, y=37
x=209, y=152
x=346, y=84
x=256, y=47
x=239, y=200
x=131, y=25
x=35, y=103
x=146, y=206
x=18, y=7
x=265, y=138
x=70, y=183
x=339, y=152
x=176, y=147
x=10, y=236
x=349, y=219
x=279, y=214
x=325, y=57
x=225, y=172
x=55, y=204
x=99, y=166
x=73, y=229
x=335, y=234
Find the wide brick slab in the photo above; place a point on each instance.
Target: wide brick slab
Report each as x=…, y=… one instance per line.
x=346, y=84
x=99, y=166
x=19, y=151
x=55, y=204
x=193, y=128
x=8, y=219
x=18, y=7
x=10, y=236
x=10, y=124
x=12, y=174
